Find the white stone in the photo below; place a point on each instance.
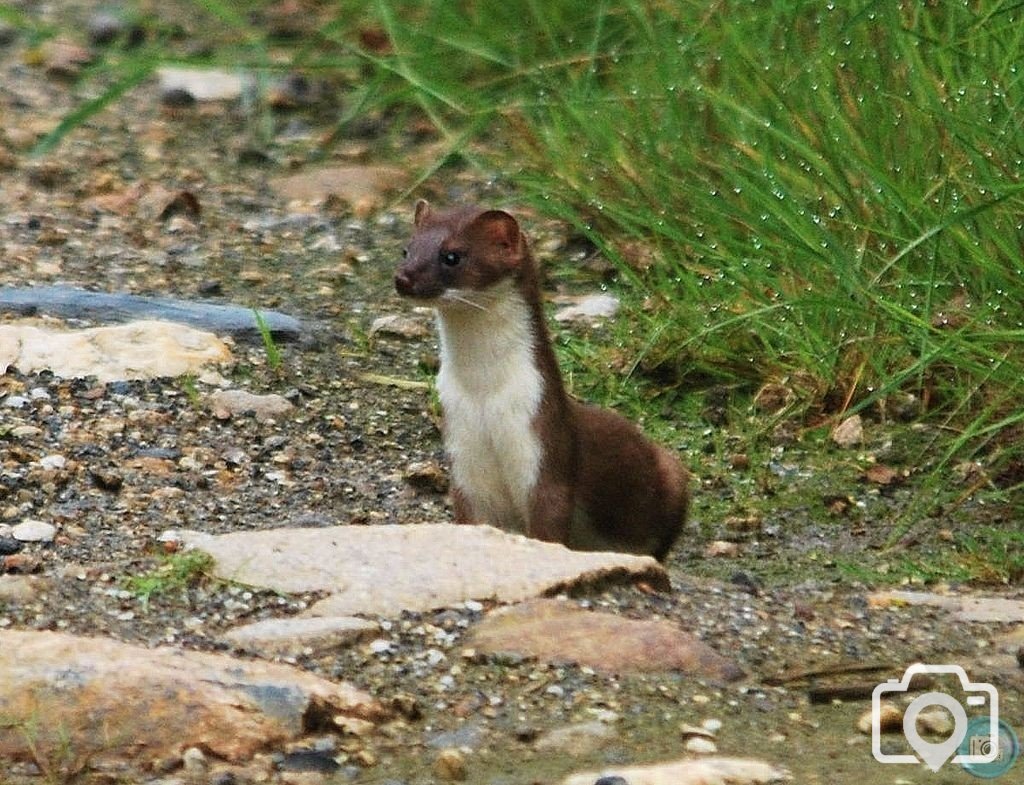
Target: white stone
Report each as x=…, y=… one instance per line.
x=137, y=350
x=34, y=531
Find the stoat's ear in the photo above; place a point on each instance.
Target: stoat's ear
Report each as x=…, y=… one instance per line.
x=422, y=211
x=500, y=229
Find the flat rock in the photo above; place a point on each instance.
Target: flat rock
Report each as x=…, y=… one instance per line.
x=228, y=403
x=294, y=636
x=554, y=630
x=138, y=350
x=105, y=700
x=67, y=302
x=383, y=570
x=998, y=610
x=704, y=771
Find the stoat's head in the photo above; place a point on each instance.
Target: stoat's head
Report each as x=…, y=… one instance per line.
x=456, y=257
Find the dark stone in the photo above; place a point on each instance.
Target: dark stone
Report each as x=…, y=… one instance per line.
x=177, y=98
x=613, y=780
x=70, y=303
x=309, y=760
x=104, y=28
x=9, y=545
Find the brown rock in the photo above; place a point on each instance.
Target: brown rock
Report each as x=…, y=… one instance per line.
x=383, y=570
x=849, y=433
x=101, y=699
x=227, y=403
x=555, y=630
x=706, y=771
x=361, y=187
x=450, y=765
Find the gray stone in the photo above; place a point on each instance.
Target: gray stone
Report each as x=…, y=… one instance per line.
x=383, y=570
x=706, y=771
x=67, y=302
x=294, y=636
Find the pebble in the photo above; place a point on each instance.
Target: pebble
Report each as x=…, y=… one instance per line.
x=193, y=761
x=700, y=745
x=34, y=531
x=52, y=462
x=9, y=545
x=104, y=28
x=450, y=765
x=890, y=719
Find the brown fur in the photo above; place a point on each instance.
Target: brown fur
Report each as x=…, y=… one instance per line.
x=602, y=484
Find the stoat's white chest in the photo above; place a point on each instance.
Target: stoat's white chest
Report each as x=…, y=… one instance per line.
x=490, y=389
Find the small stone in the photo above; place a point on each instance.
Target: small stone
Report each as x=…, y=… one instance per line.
x=450, y=765
x=588, y=308
x=34, y=531
x=19, y=589
x=353, y=726
x=711, y=725
x=365, y=758
x=849, y=433
x=722, y=549
x=104, y=28
x=700, y=745
x=106, y=479
x=578, y=739
x=9, y=545
x=890, y=719
x=227, y=403
x=193, y=761
x=427, y=476
x=63, y=57
x=210, y=84
x=53, y=462
x=399, y=326
x=935, y=722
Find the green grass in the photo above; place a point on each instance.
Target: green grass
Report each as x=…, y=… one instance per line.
x=174, y=573
x=830, y=198
x=273, y=351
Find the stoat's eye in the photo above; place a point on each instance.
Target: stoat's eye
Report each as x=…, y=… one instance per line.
x=450, y=258
x=405, y=252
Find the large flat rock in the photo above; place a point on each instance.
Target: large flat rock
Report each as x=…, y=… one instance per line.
x=706, y=771
x=138, y=350
x=553, y=630
x=67, y=302
x=383, y=570
x=100, y=699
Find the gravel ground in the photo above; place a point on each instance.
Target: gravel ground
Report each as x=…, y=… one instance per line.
x=113, y=466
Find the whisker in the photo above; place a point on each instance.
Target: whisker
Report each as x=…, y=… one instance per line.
x=450, y=295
